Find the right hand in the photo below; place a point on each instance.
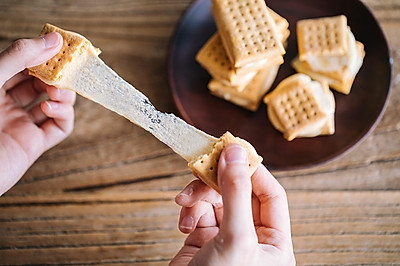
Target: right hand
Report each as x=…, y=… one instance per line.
x=251, y=227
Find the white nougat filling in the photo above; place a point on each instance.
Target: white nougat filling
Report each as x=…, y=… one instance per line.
x=338, y=62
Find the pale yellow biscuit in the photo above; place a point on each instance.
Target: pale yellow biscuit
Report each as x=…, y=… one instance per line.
x=74, y=45
x=212, y=56
x=247, y=30
x=250, y=97
x=241, y=83
x=300, y=107
x=340, y=81
x=206, y=166
x=282, y=24
x=322, y=37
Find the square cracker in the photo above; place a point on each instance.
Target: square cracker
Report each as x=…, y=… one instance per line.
x=322, y=37
x=247, y=30
x=341, y=81
x=212, y=56
x=294, y=107
x=281, y=23
x=206, y=166
x=73, y=45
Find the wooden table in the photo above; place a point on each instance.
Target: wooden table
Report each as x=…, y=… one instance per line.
x=106, y=194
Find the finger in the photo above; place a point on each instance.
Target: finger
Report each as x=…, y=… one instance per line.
x=62, y=114
x=198, y=191
x=235, y=185
x=274, y=211
x=26, y=53
x=16, y=79
x=184, y=256
x=26, y=92
x=193, y=244
x=60, y=95
x=200, y=236
x=255, y=206
x=29, y=90
x=37, y=115
x=200, y=215
x=219, y=213
x=61, y=125
x=272, y=237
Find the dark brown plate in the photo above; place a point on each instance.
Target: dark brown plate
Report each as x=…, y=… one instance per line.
x=356, y=114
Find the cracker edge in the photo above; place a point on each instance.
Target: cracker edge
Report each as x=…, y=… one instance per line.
x=226, y=139
x=82, y=45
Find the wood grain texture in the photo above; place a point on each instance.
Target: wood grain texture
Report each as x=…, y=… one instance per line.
x=105, y=194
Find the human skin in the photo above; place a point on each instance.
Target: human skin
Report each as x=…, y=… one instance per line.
x=248, y=224
x=26, y=133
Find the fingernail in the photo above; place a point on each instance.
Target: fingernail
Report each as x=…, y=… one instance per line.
x=235, y=153
x=187, y=223
x=51, y=39
x=51, y=105
x=187, y=191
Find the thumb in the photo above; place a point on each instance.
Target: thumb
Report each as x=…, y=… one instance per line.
x=26, y=53
x=235, y=185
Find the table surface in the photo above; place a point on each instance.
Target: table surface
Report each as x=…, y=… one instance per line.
x=106, y=194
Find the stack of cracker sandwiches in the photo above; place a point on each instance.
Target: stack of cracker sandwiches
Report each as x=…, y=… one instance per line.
x=244, y=55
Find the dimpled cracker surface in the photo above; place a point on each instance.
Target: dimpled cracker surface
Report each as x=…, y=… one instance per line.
x=206, y=166
x=294, y=104
x=212, y=56
x=73, y=45
x=247, y=30
x=322, y=36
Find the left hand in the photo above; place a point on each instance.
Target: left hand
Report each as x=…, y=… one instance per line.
x=26, y=134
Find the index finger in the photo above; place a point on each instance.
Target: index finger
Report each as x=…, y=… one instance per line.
x=198, y=191
x=274, y=209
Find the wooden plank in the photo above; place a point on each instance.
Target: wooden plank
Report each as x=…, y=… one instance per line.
x=81, y=211
x=104, y=225
x=348, y=258
x=87, y=255
x=106, y=175
x=119, y=237
x=376, y=175
x=347, y=243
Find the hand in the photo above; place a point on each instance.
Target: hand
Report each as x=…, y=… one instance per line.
x=26, y=134
x=252, y=228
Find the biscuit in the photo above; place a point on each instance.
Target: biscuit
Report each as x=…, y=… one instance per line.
x=250, y=97
x=329, y=52
x=247, y=30
x=341, y=80
x=240, y=84
x=212, y=56
x=282, y=24
x=73, y=46
x=322, y=37
x=206, y=166
x=300, y=107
